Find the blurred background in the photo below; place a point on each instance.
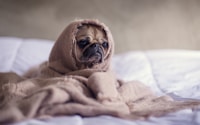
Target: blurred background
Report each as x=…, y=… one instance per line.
x=135, y=24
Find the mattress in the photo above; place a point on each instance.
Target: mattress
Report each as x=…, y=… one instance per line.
x=172, y=72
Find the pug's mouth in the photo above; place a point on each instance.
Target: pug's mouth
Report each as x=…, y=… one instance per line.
x=92, y=55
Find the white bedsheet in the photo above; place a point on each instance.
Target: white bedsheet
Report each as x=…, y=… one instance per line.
x=172, y=72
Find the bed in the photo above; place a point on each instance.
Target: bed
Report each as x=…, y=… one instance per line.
x=172, y=72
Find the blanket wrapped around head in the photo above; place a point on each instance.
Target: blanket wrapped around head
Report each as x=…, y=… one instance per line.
x=67, y=85
x=64, y=57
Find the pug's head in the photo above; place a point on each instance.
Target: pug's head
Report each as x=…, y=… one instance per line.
x=92, y=45
x=83, y=45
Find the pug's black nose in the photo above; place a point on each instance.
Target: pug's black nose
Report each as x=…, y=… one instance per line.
x=95, y=45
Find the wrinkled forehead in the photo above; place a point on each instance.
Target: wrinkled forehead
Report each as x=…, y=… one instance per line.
x=90, y=30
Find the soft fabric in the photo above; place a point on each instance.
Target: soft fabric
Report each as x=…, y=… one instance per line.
x=63, y=57
x=18, y=54
x=173, y=72
x=88, y=92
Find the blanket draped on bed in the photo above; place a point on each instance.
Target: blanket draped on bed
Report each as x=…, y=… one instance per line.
x=61, y=87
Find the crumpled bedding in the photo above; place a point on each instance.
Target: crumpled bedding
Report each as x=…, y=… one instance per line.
x=174, y=72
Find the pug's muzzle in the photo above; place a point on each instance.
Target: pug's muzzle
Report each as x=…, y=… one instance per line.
x=93, y=54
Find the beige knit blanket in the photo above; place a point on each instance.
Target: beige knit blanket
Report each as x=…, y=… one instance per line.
x=62, y=86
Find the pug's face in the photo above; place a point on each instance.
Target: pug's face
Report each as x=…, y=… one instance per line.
x=92, y=45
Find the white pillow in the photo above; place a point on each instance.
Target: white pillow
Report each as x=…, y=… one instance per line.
x=18, y=55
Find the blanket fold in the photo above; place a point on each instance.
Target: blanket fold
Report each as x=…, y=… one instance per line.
x=65, y=86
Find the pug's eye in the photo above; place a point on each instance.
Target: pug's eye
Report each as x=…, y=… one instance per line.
x=83, y=43
x=105, y=45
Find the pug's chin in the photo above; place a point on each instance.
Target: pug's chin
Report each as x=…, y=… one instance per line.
x=94, y=59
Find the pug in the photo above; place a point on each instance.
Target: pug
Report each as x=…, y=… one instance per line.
x=92, y=45
x=84, y=47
